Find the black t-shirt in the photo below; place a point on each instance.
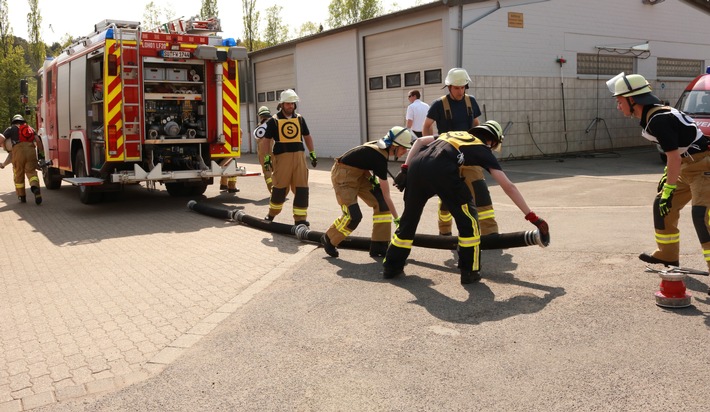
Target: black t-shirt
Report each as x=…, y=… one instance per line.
x=672, y=129
x=477, y=154
x=367, y=157
x=460, y=120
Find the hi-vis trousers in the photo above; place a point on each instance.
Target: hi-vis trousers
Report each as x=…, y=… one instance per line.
x=350, y=183
x=693, y=184
x=473, y=176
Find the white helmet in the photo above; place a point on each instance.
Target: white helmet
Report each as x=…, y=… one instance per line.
x=457, y=77
x=494, y=131
x=288, y=96
x=400, y=136
x=633, y=85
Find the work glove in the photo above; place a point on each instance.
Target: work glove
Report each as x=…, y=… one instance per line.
x=40, y=156
x=314, y=158
x=400, y=181
x=663, y=180
x=396, y=222
x=375, y=182
x=267, y=163
x=541, y=225
x=664, y=203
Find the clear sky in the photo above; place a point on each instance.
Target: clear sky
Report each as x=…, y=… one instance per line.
x=77, y=17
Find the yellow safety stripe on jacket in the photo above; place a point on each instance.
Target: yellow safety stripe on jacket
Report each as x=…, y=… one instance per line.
x=382, y=218
x=458, y=139
x=401, y=243
x=668, y=238
x=447, y=107
x=300, y=212
x=289, y=130
x=486, y=214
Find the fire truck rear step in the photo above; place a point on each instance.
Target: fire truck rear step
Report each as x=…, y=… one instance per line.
x=84, y=181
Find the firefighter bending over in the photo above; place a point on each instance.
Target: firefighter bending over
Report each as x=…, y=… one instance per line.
x=351, y=179
x=288, y=132
x=432, y=168
x=687, y=173
x=25, y=157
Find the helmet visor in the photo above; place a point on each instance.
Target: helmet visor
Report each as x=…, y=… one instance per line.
x=611, y=83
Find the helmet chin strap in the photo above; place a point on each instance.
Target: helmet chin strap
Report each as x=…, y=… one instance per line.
x=631, y=104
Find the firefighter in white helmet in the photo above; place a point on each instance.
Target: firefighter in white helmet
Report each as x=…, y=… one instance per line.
x=283, y=144
x=264, y=114
x=459, y=111
x=362, y=172
x=432, y=169
x=26, y=150
x=687, y=166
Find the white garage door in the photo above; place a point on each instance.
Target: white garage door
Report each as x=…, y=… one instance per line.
x=272, y=77
x=395, y=63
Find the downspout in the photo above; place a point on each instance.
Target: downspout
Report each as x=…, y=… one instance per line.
x=460, y=28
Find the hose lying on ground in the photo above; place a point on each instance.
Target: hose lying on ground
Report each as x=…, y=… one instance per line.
x=304, y=233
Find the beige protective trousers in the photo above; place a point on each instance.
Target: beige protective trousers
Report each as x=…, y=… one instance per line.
x=351, y=183
x=693, y=185
x=473, y=176
x=24, y=163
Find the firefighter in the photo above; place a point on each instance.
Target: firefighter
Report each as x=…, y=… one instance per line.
x=25, y=157
x=432, y=168
x=351, y=179
x=687, y=173
x=264, y=115
x=286, y=133
x=459, y=111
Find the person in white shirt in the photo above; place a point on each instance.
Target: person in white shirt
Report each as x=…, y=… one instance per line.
x=416, y=112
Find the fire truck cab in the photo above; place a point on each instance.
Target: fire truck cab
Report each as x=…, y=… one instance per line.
x=695, y=101
x=124, y=106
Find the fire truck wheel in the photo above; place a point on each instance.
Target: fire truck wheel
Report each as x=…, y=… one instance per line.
x=51, y=177
x=177, y=189
x=87, y=194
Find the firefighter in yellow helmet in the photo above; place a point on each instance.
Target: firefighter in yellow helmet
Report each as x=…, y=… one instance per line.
x=26, y=149
x=432, y=169
x=361, y=172
x=687, y=172
x=283, y=144
x=459, y=111
x=258, y=133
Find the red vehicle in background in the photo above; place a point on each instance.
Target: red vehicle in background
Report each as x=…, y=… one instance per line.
x=695, y=101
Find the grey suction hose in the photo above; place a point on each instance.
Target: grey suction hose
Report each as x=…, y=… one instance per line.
x=303, y=233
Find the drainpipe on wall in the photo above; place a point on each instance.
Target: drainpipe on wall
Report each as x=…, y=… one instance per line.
x=460, y=28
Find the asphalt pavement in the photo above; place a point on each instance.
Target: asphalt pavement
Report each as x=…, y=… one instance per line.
x=223, y=316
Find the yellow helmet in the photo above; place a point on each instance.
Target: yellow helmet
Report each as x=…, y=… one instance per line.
x=457, y=77
x=288, y=96
x=400, y=136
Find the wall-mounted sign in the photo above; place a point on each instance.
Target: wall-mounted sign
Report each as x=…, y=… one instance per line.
x=515, y=20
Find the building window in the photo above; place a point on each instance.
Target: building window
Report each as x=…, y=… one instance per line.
x=376, y=83
x=261, y=97
x=270, y=96
x=605, y=64
x=394, y=80
x=432, y=76
x=412, y=79
x=678, y=67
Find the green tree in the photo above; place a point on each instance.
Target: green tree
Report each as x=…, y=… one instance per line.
x=12, y=69
x=251, y=23
x=209, y=9
x=276, y=31
x=5, y=30
x=37, y=46
x=155, y=16
x=308, y=28
x=345, y=12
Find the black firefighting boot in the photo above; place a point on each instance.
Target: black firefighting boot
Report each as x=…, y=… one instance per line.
x=470, y=276
x=22, y=199
x=38, y=195
x=390, y=272
x=329, y=247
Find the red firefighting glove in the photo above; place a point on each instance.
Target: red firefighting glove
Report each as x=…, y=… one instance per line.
x=541, y=225
x=664, y=203
x=400, y=181
x=267, y=163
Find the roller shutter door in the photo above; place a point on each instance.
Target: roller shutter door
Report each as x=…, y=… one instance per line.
x=396, y=62
x=272, y=77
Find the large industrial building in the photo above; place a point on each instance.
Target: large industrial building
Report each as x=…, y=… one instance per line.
x=538, y=67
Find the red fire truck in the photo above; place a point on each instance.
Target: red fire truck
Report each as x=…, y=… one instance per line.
x=124, y=106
